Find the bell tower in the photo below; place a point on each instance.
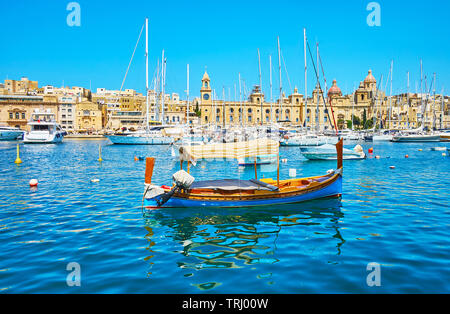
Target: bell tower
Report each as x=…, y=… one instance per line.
x=205, y=91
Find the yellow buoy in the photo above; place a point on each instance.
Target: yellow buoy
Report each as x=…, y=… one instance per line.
x=18, y=160
x=100, y=152
x=444, y=154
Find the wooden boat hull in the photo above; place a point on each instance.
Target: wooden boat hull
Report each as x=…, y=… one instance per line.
x=331, y=187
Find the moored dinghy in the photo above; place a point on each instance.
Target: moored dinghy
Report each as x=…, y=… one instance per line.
x=235, y=192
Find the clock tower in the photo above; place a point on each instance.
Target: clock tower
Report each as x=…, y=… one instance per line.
x=205, y=91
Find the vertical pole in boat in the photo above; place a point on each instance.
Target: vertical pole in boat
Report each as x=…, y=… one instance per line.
x=281, y=85
x=256, y=172
x=271, y=98
x=188, y=166
x=407, y=101
x=339, y=150
x=240, y=99
x=187, y=101
x=100, y=152
x=260, y=87
x=149, y=164
x=278, y=170
x=146, y=76
x=306, y=84
x=18, y=160
x=181, y=164
x=163, y=82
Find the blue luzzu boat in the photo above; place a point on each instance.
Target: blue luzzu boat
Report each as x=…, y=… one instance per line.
x=235, y=192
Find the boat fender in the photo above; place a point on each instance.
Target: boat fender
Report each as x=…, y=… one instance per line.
x=358, y=149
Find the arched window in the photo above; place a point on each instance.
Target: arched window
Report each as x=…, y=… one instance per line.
x=249, y=110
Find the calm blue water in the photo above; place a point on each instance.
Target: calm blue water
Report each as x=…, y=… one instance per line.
x=398, y=218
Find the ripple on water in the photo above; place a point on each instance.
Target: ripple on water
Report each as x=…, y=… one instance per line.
x=395, y=217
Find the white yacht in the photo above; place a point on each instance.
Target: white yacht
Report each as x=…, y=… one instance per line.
x=43, y=129
x=328, y=152
x=8, y=133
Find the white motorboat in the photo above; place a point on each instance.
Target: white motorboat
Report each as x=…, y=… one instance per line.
x=328, y=152
x=414, y=138
x=303, y=140
x=8, y=133
x=43, y=129
x=153, y=136
x=438, y=149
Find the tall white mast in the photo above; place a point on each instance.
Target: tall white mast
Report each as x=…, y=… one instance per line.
x=240, y=100
x=306, y=85
x=421, y=95
x=260, y=87
x=407, y=100
x=390, y=97
x=281, y=85
x=317, y=104
x=187, y=93
x=146, y=74
x=271, y=97
x=163, y=84
x=434, y=101
x=442, y=109
x=224, y=107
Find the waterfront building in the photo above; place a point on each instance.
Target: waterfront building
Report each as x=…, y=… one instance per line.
x=24, y=86
x=88, y=117
x=254, y=110
x=16, y=110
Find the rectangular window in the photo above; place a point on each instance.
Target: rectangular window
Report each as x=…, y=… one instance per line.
x=23, y=115
x=10, y=115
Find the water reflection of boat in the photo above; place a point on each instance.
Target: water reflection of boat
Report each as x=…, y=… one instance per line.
x=240, y=237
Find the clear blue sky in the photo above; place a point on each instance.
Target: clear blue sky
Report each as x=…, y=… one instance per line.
x=224, y=36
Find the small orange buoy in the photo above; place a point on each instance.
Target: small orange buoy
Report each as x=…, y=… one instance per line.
x=33, y=182
x=406, y=156
x=392, y=167
x=371, y=150
x=420, y=149
x=135, y=158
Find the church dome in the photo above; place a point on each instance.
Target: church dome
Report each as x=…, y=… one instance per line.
x=334, y=90
x=370, y=78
